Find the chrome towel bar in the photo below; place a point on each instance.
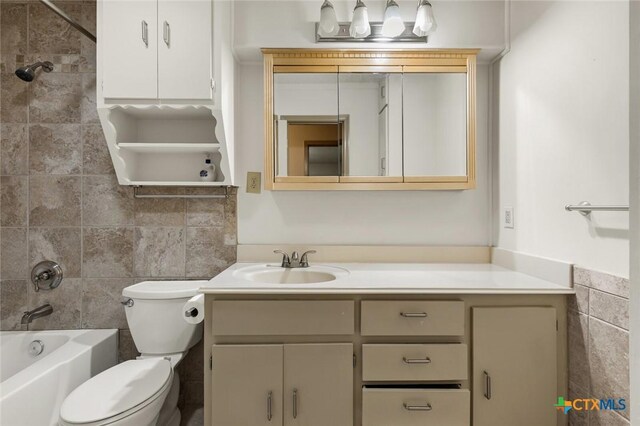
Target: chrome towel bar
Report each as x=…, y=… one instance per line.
x=585, y=208
x=136, y=194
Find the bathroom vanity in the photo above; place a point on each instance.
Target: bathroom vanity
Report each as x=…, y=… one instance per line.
x=383, y=344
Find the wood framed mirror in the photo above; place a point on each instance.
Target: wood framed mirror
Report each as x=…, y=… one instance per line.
x=370, y=119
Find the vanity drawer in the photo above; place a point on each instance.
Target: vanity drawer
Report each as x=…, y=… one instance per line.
x=415, y=407
x=282, y=317
x=412, y=318
x=414, y=362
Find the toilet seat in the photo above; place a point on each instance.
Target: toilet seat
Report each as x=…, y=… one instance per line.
x=117, y=392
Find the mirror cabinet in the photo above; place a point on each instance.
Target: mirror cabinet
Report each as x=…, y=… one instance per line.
x=369, y=120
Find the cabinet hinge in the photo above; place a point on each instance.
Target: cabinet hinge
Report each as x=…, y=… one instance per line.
x=354, y=361
x=211, y=362
x=557, y=325
x=213, y=84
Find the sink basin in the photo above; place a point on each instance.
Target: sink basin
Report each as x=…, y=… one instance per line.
x=270, y=274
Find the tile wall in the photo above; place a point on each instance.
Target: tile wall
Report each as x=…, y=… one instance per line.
x=60, y=199
x=599, y=345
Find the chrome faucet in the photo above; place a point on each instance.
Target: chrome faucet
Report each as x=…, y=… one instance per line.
x=295, y=261
x=39, y=312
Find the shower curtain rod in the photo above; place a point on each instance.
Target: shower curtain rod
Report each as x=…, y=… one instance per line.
x=69, y=19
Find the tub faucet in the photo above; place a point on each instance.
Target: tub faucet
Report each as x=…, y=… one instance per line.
x=39, y=312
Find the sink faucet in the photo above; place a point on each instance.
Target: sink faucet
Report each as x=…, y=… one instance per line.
x=295, y=261
x=39, y=312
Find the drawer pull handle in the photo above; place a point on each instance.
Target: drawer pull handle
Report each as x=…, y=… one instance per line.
x=425, y=360
x=269, y=398
x=413, y=314
x=487, y=385
x=426, y=407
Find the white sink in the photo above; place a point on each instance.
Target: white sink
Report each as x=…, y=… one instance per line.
x=271, y=274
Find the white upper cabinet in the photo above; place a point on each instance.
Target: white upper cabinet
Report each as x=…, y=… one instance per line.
x=130, y=49
x=157, y=49
x=184, y=50
x=165, y=92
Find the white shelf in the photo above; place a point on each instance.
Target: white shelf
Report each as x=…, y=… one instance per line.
x=170, y=148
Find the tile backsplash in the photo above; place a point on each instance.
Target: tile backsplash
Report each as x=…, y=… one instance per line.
x=60, y=199
x=599, y=345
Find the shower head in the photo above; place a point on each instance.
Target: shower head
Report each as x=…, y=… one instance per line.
x=29, y=72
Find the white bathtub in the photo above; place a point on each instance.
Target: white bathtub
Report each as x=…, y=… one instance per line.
x=32, y=388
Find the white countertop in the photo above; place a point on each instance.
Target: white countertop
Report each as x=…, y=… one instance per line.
x=392, y=278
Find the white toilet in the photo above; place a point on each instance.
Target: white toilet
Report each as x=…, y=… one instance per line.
x=144, y=391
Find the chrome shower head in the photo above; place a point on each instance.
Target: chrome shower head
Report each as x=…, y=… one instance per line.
x=29, y=72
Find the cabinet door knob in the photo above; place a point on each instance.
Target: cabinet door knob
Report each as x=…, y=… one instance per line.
x=269, y=399
x=425, y=407
x=487, y=385
x=413, y=314
x=425, y=360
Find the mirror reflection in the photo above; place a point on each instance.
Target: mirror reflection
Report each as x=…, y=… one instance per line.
x=372, y=105
x=308, y=131
x=435, y=124
x=370, y=124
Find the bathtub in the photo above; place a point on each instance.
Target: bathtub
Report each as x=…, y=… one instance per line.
x=33, y=386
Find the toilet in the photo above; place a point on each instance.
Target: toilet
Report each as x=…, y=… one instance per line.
x=144, y=391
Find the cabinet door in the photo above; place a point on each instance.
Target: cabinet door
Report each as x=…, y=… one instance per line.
x=184, y=49
x=318, y=385
x=514, y=366
x=247, y=385
x=129, y=49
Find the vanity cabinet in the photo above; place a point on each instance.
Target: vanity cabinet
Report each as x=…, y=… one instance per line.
x=291, y=384
x=515, y=376
x=375, y=360
x=162, y=49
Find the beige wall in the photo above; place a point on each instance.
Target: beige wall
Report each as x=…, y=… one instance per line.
x=61, y=201
x=562, y=132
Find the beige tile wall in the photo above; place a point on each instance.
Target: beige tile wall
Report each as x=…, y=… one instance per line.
x=60, y=199
x=599, y=345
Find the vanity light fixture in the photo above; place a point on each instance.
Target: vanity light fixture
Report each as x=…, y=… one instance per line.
x=328, y=26
x=360, y=27
x=392, y=25
x=392, y=29
x=425, y=19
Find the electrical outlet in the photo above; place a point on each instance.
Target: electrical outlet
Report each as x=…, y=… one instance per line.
x=508, y=219
x=253, y=182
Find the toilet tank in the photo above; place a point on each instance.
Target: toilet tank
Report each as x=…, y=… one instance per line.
x=156, y=316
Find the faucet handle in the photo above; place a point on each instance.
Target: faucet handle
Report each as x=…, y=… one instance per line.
x=304, y=262
x=286, y=260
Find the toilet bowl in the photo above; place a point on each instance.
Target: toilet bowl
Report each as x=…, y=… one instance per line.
x=144, y=391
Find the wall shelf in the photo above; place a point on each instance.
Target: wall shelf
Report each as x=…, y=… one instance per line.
x=166, y=145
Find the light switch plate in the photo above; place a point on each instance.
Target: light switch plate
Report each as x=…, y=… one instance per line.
x=508, y=219
x=254, y=182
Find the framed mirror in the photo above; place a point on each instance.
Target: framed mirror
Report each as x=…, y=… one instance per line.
x=368, y=120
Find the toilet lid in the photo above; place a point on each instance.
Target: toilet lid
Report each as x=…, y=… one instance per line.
x=164, y=289
x=116, y=390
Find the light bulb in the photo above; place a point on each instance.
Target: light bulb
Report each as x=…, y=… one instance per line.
x=328, y=26
x=360, y=27
x=393, y=25
x=425, y=20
